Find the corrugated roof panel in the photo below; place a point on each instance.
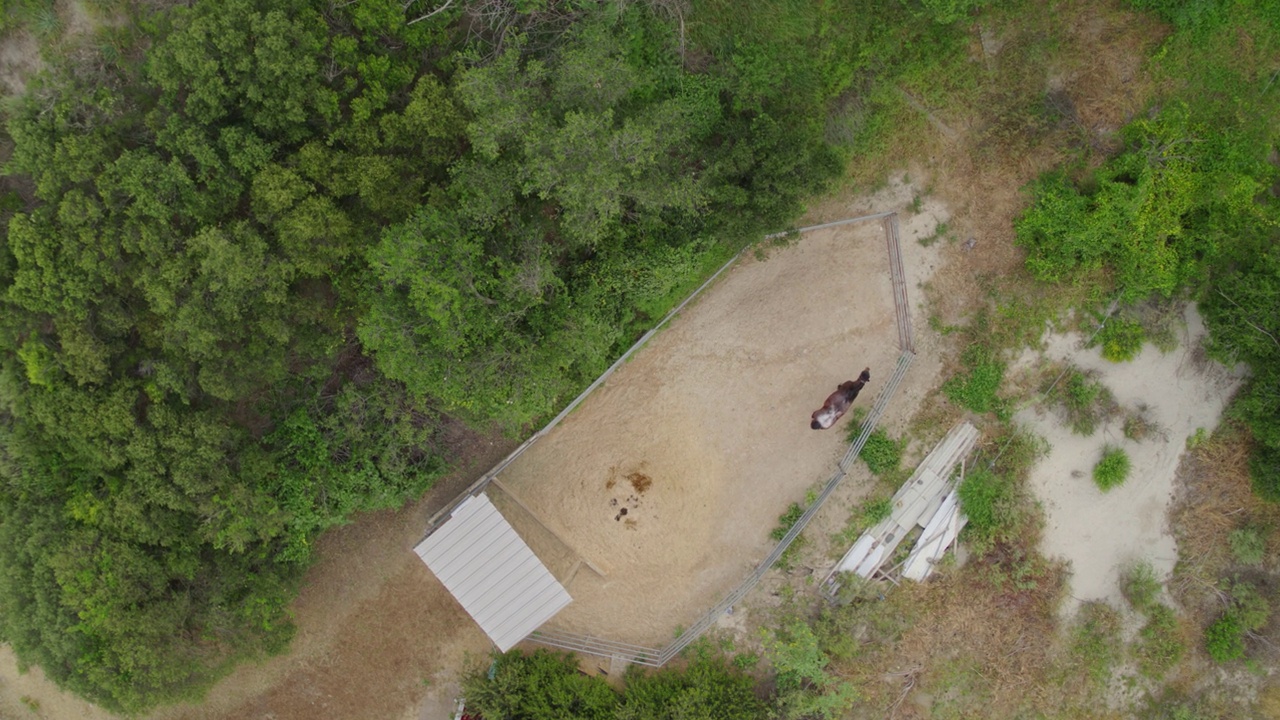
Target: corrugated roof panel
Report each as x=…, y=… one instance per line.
x=492, y=572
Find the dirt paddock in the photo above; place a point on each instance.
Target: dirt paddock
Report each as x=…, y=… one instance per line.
x=666, y=482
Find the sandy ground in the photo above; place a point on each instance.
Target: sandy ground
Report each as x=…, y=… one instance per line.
x=703, y=438
x=1101, y=534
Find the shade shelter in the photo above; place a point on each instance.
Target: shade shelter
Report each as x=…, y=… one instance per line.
x=492, y=572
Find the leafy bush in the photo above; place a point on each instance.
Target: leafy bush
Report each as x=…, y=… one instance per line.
x=870, y=513
x=785, y=521
x=1249, y=611
x=548, y=686
x=882, y=454
x=877, y=510
x=1140, y=586
x=1248, y=545
x=1159, y=646
x=986, y=498
x=1249, y=605
x=806, y=689
x=1112, y=470
x=706, y=688
x=976, y=388
x=542, y=686
x=1264, y=470
x=1121, y=339
x=1224, y=638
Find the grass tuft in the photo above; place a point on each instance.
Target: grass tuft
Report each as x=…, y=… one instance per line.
x=1159, y=645
x=1112, y=470
x=1140, y=586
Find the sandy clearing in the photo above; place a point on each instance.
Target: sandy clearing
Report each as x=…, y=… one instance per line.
x=703, y=437
x=1102, y=534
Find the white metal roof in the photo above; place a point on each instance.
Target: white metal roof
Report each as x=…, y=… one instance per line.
x=498, y=580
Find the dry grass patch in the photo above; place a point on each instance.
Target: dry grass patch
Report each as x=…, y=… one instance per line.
x=977, y=642
x=1227, y=589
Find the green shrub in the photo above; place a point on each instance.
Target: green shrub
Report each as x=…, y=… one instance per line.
x=1224, y=638
x=1140, y=586
x=1121, y=339
x=985, y=498
x=869, y=514
x=882, y=454
x=785, y=521
x=1248, y=545
x=806, y=687
x=1264, y=470
x=543, y=686
x=707, y=687
x=1159, y=646
x=1112, y=470
x=1249, y=611
x=976, y=389
x=1250, y=607
x=877, y=510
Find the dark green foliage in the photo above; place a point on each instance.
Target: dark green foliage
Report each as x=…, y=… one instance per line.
x=1224, y=638
x=785, y=522
x=597, y=170
x=1190, y=201
x=881, y=453
x=548, y=686
x=976, y=388
x=877, y=511
x=541, y=686
x=181, y=411
x=1159, y=645
x=706, y=689
x=1112, y=469
x=1248, y=612
x=805, y=688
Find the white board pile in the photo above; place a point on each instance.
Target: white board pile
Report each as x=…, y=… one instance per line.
x=927, y=500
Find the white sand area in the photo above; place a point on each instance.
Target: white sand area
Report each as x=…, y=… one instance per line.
x=1102, y=534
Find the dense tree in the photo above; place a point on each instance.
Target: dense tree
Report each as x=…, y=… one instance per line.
x=177, y=426
x=548, y=686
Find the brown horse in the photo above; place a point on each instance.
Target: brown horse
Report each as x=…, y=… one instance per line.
x=839, y=401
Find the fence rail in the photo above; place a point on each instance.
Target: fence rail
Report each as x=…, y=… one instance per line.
x=636, y=654
x=897, y=273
